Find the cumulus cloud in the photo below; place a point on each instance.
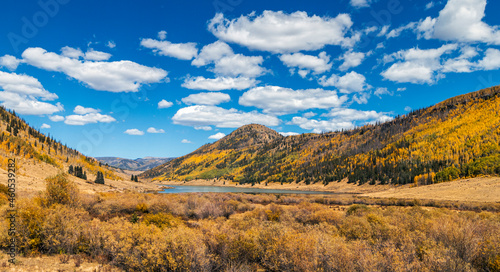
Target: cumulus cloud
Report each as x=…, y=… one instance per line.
x=227, y=63
x=82, y=110
x=212, y=52
x=219, y=83
x=204, y=116
x=351, y=59
x=9, y=62
x=286, y=134
x=217, y=136
x=360, y=3
x=491, y=60
x=417, y=65
x=349, y=83
x=154, y=130
x=279, y=101
x=205, y=128
x=84, y=116
x=186, y=141
x=22, y=93
x=91, y=54
x=117, y=76
x=56, y=118
x=279, y=32
x=163, y=104
x=461, y=20
x=44, y=126
x=307, y=63
x=182, y=51
x=340, y=118
x=89, y=118
x=134, y=131
x=206, y=99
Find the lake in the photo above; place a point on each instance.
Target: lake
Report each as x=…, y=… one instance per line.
x=218, y=189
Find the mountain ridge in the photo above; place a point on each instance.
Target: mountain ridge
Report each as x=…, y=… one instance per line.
x=434, y=144
x=139, y=164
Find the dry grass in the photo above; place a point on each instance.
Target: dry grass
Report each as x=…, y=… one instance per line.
x=483, y=189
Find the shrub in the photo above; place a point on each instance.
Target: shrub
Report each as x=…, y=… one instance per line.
x=59, y=190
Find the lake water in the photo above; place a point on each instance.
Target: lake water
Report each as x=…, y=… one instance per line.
x=217, y=189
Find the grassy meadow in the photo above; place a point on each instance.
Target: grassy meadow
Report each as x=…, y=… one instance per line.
x=243, y=232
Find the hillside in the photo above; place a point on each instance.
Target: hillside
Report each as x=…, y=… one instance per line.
x=456, y=138
x=140, y=164
x=39, y=156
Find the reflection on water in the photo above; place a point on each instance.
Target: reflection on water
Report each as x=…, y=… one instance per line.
x=175, y=189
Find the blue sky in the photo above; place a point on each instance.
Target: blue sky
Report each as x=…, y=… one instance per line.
x=129, y=79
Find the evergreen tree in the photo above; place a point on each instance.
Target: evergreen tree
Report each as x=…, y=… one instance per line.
x=70, y=170
x=135, y=179
x=99, y=178
x=132, y=177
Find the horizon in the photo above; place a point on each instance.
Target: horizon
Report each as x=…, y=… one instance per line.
x=163, y=79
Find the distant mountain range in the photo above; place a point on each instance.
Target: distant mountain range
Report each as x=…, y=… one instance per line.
x=457, y=138
x=140, y=164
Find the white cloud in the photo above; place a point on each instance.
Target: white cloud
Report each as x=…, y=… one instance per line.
x=228, y=64
x=111, y=44
x=286, y=134
x=89, y=118
x=117, y=76
x=162, y=35
x=418, y=66
x=461, y=20
x=56, y=118
x=218, y=83
x=186, y=141
x=360, y=3
x=164, y=104
x=279, y=32
x=408, y=108
x=154, y=130
x=307, y=63
x=182, y=51
x=9, y=62
x=217, y=136
x=401, y=89
x=397, y=31
x=24, y=85
x=211, y=53
x=318, y=126
x=96, y=55
x=82, y=110
x=205, y=128
x=351, y=59
x=348, y=83
x=491, y=60
x=200, y=116
x=206, y=99
x=361, y=98
x=21, y=93
x=240, y=65
x=134, y=131
x=279, y=101
x=382, y=91
x=340, y=118
x=70, y=52
x=44, y=126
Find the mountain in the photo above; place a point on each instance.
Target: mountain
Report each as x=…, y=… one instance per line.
x=458, y=137
x=140, y=164
x=38, y=154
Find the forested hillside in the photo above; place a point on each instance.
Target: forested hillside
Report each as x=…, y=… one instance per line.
x=456, y=138
x=30, y=146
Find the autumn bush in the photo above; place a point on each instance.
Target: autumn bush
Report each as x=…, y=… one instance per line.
x=239, y=232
